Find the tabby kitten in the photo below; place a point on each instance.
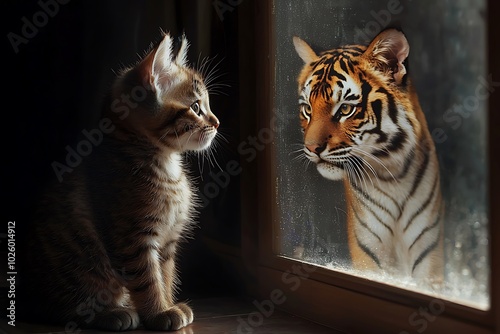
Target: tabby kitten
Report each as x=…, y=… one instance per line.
x=103, y=250
x=363, y=125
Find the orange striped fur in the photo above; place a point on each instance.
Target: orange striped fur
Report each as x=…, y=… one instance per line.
x=363, y=124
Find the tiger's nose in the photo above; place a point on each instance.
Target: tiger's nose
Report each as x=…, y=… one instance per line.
x=315, y=148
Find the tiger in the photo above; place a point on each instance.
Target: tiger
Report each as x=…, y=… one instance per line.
x=362, y=124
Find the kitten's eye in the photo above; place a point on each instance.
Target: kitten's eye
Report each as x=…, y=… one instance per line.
x=196, y=108
x=347, y=110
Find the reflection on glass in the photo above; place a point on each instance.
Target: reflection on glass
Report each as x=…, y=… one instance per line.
x=366, y=183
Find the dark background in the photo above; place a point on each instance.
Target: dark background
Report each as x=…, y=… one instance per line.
x=53, y=89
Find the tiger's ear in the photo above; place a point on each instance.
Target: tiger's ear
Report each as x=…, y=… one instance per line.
x=304, y=50
x=388, y=51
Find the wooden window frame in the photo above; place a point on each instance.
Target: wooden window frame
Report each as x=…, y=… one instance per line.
x=338, y=300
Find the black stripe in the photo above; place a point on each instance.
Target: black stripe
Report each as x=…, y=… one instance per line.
x=425, y=230
x=426, y=252
x=420, y=172
x=423, y=206
x=395, y=144
x=406, y=167
x=351, y=66
x=368, y=252
x=408, y=162
x=366, y=88
x=322, y=88
x=391, y=198
x=319, y=73
x=380, y=220
x=347, y=92
x=377, y=111
x=352, y=97
x=397, y=141
x=362, y=223
x=393, y=110
x=333, y=73
x=372, y=200
x=360, y=115
x=343, y=65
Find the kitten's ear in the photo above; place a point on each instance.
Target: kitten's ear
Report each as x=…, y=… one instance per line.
x=163, y=62
x=156, y=69
x=181, y=58
x=388, y=51
x=304, y=50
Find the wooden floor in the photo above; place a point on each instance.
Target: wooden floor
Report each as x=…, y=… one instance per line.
x=212, y=316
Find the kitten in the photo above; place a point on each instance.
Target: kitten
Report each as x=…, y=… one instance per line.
x=102, y=252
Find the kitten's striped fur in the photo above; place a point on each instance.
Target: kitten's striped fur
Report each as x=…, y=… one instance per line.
x=103, y=248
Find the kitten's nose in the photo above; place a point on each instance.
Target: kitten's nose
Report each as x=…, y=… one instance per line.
x=315, y=148
x=214, y=121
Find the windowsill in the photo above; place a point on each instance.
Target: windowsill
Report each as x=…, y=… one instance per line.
x=213, y=315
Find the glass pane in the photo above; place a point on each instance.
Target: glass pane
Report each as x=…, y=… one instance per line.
x=393, y=206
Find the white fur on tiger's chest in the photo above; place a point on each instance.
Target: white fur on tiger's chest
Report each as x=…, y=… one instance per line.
x=394, y=224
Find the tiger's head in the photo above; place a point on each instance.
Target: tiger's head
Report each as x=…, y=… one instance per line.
x=357, y=108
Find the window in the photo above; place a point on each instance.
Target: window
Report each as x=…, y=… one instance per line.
x=313, y=209
x=305, y=238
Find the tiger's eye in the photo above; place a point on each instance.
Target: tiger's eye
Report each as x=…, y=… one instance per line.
x=347, y=109
x=305, y=110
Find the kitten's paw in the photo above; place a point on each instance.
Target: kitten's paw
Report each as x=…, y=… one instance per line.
x=180, y=315
x=118, y=319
